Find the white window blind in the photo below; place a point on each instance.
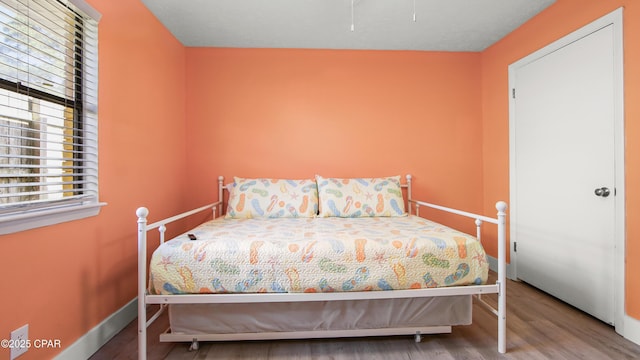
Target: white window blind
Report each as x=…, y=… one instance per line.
x=48, y=107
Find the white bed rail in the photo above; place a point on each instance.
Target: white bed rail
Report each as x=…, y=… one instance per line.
x=501, y=221
x=145, y=299
x=161, y=225
x=143, y=228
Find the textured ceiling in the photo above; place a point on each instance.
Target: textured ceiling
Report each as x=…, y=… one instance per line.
x=440, y=25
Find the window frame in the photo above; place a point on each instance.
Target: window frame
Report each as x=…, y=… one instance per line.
x=59, y=212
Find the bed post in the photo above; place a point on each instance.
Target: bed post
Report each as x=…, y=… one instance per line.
x=142, y=281
x=502, y=276
x=479, y=230
x=220, y=194
x=409, y=193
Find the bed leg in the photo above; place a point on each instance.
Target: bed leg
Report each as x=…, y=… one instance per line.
x=502, y=281
x=194, y=345
x=417, y=338
x=142, y=214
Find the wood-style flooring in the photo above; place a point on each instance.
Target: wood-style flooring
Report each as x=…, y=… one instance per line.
x=538, y=327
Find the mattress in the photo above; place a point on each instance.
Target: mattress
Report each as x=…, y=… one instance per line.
x=316, y=255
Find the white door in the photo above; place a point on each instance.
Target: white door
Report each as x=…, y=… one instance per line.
x=564, y=173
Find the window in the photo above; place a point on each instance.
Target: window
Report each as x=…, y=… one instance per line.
x=48, y=113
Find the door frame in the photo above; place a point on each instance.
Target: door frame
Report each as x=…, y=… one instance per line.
x=612, y=19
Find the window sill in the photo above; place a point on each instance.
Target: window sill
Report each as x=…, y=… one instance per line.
x=14, y=223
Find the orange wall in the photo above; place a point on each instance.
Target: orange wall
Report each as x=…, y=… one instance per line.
x=295, y=113
x=65, y=279
x=279, y=113
x=558, y=20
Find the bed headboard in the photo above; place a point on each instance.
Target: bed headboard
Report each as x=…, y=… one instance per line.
x=222, y=187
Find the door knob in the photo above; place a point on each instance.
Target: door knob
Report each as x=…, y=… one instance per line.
x=603, y=191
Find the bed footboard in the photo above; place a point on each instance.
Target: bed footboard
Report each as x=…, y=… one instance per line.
x=143, y=228
x=500, y=221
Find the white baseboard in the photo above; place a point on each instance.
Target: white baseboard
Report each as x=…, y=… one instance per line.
x=93, y=340
x=631, y=330
x=493, y=265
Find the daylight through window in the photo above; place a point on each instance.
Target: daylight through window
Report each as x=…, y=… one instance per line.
x=48, y=108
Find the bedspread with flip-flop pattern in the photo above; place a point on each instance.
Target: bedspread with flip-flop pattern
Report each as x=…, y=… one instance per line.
x=317, y=255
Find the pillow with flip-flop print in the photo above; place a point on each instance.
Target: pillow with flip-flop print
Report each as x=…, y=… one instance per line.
x=360, y=197
x=272, y=198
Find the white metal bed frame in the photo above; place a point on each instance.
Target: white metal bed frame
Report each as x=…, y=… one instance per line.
x=145, y=299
